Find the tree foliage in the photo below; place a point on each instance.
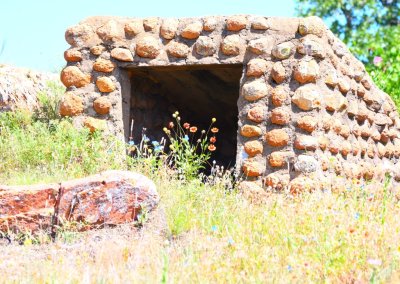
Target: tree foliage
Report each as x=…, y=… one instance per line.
x=371, y=28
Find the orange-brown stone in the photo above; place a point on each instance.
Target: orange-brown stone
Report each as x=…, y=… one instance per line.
x=71, y=105
x=72, y=55
x=102, y=105
x=277, y=138
x=105, y=84
x=280, y=116
x=103, y=65
x=278, y=96
x=250, y=131
x=192, y=31
x=94, y=124
x=73, y=76
x=252, y=168
x=253, y=148
x=307, y=123
x=236, y=23
x=257, y=114
x=278, y=72
x=122, y=54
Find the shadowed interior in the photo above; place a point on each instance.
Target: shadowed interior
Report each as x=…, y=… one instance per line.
x=198, y=92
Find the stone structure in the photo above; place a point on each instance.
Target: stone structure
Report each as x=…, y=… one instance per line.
x=109, y=198
x=298, y=105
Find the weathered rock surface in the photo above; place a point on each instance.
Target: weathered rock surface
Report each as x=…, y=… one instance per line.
x=109, y=198
x=19, y=87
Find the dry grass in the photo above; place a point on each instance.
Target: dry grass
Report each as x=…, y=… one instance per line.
x=220, y=237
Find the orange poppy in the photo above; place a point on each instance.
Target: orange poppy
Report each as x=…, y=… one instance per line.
x=212, y=147
x=213, y=139
x=193, y=129
x=186, y=125
x=214, y=130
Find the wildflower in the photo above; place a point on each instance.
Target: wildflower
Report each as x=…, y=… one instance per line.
x=158, y=148
x=213, y=139
x=214, y=130
x=213, y=119
x=203, y=131
x=357, y=216
x=131, y=143
x=231, y=242
x=171, y=125
x=289, y=268
x=198, y=140
x=377, y=60
x=145, y=138
x=193, y=129
x=171, y=147
x=178, y=118
x=186, y=138
x=214, y=228
x=174, y=115
x=212, y=147
x=155, y=143
x=186, y=125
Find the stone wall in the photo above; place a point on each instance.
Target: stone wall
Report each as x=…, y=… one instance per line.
x=307, y=108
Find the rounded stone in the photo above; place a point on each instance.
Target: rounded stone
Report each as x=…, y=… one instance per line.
x=205, y=46
x=335, y=102
x=259, y=23
x=302, y=184
x=71, y=105
x=256, y=67
x=278, y=72
x=277, y=181
x=283, y=50
x=253, y=148
x=257, y=114
x=279, y=96
x=177, y=49
x=231, y=45
x=250, y=131
x=103, y=65
x=278, y=159
x=254, y=90
x=310, y=47
x=261, y=46
x=94, y=124
x=97, y=50
x=312, y=25
x=72, y=55
x=169, y=28
x=323, y=142
x=148, y=47
x=307, y=97
x=346, y=148
x=252, y=168
x=306, y=164
x=331, y=79
x=210, y=24
x=73, y=76
x=105, y=84
x=305, y=142
x=150, y=24
x=111, y=31
x=122, y=54
x=236, y=23
x=277, y=138
x=192, y=31
x=102, y=105
x=307, y=123
x=344, y=86
x=306, y=71
x=280, y=116
x=81, y=35
x=134, y=28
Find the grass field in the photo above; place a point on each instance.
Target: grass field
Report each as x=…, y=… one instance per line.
x=201, y=232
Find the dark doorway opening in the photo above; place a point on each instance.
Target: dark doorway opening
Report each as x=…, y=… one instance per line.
x=198, y=92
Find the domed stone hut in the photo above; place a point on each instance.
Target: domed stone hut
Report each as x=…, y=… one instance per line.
x=295, y=106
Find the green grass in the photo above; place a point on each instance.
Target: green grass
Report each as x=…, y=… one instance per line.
x=216, y=236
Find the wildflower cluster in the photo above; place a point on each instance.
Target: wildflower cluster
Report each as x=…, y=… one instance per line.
x=190, y=148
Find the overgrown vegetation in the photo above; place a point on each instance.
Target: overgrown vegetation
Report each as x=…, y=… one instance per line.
x=214, y=234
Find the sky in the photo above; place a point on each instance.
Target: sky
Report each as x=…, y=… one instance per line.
x=32, y=31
